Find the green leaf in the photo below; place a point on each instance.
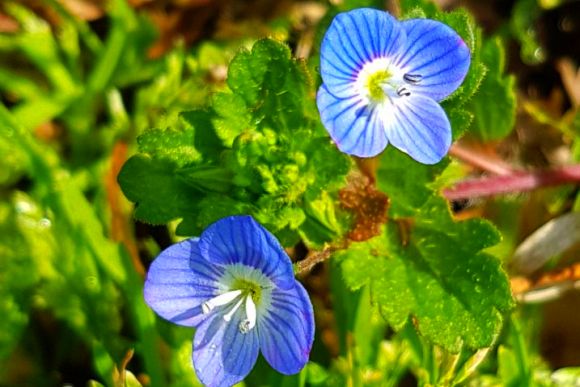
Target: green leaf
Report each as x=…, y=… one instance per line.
x=494, y=106
x=417, y=8
x=233, y=117
x=205, y=138
x=273, y=85
x=456, y=294
x=460, y=120
x=323, y=221
x=405, y=181
x=316, y=374
x=161, y=196
x=170, y=145
x=258, y=149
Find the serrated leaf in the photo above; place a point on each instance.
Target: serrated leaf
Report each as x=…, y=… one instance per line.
x=494, y=105
x=460, y=119
x=260, y=146
x=233, y=117
x=417, y=8
x=273, y=85
x=170, y=145
x=455, y=293
x=252, y=73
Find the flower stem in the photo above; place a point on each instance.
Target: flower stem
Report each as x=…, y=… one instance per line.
x=311, y=260
x=315, y=257
x=479, y=160
x=515, y=182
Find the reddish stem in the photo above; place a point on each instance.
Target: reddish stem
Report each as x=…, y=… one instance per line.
x=513, y=183
x=480, y=161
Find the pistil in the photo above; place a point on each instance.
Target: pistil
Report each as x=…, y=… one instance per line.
x=228, y=316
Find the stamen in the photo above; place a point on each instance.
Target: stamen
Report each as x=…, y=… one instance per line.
x=228, y=316
x=220, y=300
x=403, y=92
x=250, y=312
x=412, y=78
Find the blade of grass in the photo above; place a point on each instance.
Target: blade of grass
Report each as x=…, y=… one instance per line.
x=70, y=205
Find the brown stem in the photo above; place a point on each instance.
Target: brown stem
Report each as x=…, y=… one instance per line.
x=312, y=260
x=120, y=226
x=315, y=257
x=514, y=183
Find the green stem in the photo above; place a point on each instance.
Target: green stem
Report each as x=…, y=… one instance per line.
x=520, y=350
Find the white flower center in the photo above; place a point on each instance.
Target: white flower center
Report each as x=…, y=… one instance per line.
x=380, y=81
x=235, y=297
x=242, y=289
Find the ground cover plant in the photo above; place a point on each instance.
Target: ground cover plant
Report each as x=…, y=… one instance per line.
x=358, y=193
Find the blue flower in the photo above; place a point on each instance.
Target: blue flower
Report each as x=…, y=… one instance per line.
x=235, y=284
x=383, y=79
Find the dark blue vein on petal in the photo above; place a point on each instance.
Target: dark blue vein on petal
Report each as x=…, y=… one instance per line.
x=434, y=128
x=352, y=124
x=366, y=131
x=418, y=51
x=339, y=57
x=429, y=62
x=303, y=330
x=375, y=49
x=268, y=271
x=409, y=135
x=361, y=39
x=360, y=60
x=251, y=235
x=388, y=41
x=190, y=313
x=272, y=328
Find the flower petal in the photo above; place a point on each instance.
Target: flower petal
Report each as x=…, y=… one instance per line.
x=355, y=127
x=241, y=240
x=436, y=53
x=419, y=127
x=354, y=39
x=222, y=355
x=286, y=330
x=178, y=282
